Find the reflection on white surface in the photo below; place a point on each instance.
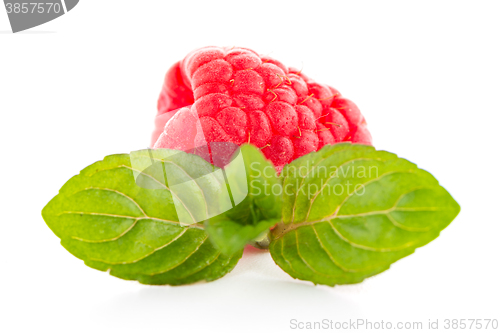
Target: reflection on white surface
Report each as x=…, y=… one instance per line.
x=256, y=288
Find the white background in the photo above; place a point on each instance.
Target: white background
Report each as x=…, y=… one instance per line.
x=426, y=75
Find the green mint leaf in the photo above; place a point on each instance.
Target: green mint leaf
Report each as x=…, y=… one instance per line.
x=254, y=178
x=350, y=211
x=230, y=236
x=139, y=216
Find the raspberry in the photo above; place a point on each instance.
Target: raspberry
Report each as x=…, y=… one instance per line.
x=283, y=117
x=260, y=131
x=234, y=96
x=234, y=121
x=279, y=150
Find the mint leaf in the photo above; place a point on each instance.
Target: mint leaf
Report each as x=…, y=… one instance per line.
x=350, y=211
x=254, y=178
x=139, y=216
x=230, y=237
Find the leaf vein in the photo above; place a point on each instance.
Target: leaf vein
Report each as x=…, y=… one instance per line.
x=368, y=248
x=145, y=256
x=332, y=176
x=184, y=260
x=304, y=178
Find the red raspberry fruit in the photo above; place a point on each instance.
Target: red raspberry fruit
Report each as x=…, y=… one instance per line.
x=235, y=95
